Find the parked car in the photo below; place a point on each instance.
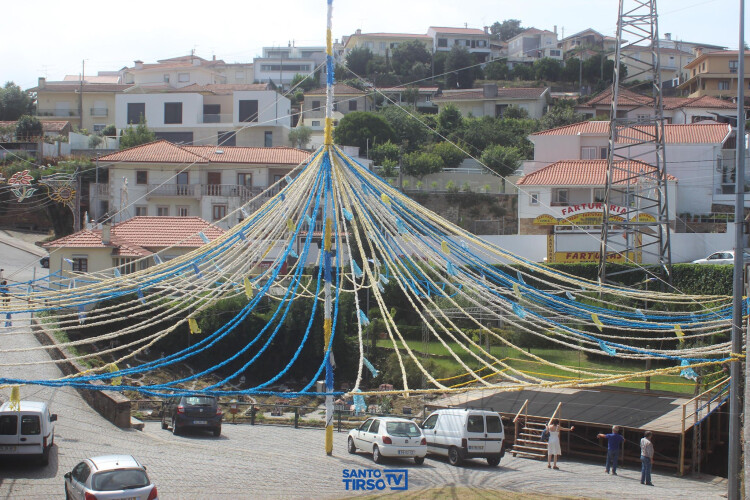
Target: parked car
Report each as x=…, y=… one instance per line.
x=197, y=412
x=29, y=431
x=389, y=437
x=723, y=257
x=463, y=433
x=109, y=477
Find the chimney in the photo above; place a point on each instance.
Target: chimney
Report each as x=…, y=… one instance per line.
x=42, y=82
x=668, y=36
x=358, y=32
x=214, y=58
x=489, y=90
x=138, y=64
x=554, y=30
x=486, y=30
x=106, y=233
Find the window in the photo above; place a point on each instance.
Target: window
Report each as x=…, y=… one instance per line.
x=382, y=46
x=81, y=472
x=249, y=111
x=172, y=112
x=81, y=264
x=141, y=211
x=136, y=112
x=126, y=265
x=8, y=425
x=494, y=424
x=603, y=151
x=500, y=110
x=559, y=196
x=226, y=138
x=442, y=42
x=723, y=84
x=589, y=153
x=166, y=78
x=475, y=423
x=643, y=118
x=598, y=195
x=316, y=123
x=98, y=127
x=219, y=211
x=268, y=139
x=430, y=422
x=211, y=113
x=533, y=198
x=365, y=425
x=183, y=77
x=162, y=211
x=141, y=176
x=244, y=179
x=182, y=183
x=375, y=427
x=353, y=105
x=554, y=53
x=315, y=105
x=183, y=211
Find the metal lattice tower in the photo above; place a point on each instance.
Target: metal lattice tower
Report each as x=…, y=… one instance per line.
x=636, y=167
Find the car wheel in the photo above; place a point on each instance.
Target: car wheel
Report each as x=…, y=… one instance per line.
x=352, y=448
x=493, y=461
x=175, y=430
x=454, y=457
x=217, y=431
x=376, y=456
x=419, y=460
x=164, y=424
x=44, y=459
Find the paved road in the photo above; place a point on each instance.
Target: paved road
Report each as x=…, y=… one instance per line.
x=274, y=462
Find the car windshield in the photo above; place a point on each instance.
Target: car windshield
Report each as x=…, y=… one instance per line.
x=409, y=429
x=199, y=401
x=120, y=479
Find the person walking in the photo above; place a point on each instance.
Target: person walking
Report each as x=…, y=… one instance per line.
x=647, y=458
x=553, y=444
x=614, y=440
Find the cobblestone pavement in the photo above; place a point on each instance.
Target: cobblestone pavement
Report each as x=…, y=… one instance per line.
x=275, y=462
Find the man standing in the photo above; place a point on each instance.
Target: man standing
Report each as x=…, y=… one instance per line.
x=614, y=440
x=647, y=457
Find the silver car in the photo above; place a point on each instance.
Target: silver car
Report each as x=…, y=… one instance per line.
x=109, y=477
x=723, y=257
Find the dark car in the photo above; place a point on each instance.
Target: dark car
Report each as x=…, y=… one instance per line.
x=197, y=412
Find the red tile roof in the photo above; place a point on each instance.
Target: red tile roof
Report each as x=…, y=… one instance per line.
x=698, y=133
x=458, y=31
x=221, y=88
x=165, y=152
x=403, y=88
x=583, y=173
x=47, y=125
x=716, y=53
x=338, y=89
x=134, y=237
x=76, y=87
x=534, y=31
x=392, y=35
x=628, y=98
x=502, y=93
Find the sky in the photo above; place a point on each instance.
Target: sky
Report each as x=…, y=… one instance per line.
x=53, y=38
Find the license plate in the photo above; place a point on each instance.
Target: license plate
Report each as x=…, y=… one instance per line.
x=476, y=447
x=200, y=422
x=406, y=452
x=7, y=448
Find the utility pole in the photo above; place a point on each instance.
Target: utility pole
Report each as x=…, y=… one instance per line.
x=735, y=368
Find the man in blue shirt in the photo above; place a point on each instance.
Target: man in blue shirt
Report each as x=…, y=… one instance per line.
x=614, y=440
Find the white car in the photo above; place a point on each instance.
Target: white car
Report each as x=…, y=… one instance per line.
x=463, y=433
x=109, y=477
x=389, y=437
x=723, y=257
x=28, y=431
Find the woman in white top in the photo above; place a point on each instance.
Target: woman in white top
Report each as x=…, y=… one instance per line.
x=553, y=444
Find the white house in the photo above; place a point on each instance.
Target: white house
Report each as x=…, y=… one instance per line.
x=281, y=64
x=166, y=180
x=474, y=40
x=533, y=44
x=490, y=100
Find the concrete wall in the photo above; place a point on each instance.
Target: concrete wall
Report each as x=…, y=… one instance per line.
x=687, y=247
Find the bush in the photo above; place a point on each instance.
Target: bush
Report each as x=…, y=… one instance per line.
x=451, y=155
x=385, y=151
x=420, y=164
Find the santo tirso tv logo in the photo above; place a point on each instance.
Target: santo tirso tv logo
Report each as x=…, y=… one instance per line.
x=375, y=479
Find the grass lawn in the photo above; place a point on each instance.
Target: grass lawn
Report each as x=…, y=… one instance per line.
x=566, y=357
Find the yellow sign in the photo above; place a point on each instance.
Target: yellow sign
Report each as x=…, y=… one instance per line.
x=576, y=257
x=545, y=220
x=645, y=218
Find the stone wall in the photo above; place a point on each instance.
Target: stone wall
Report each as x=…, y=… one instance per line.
x=113, y=406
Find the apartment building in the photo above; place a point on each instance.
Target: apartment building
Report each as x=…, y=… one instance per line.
x=533, y=44
x=476, y=41
x=715, y=74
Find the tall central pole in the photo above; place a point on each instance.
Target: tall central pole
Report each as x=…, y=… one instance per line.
x=327, y=309
x=735, y=402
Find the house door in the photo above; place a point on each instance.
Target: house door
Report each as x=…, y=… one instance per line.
x=182, y=184
x=213, y=181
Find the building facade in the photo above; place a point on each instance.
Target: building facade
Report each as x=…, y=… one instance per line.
x=493, y=101
x=715, y=74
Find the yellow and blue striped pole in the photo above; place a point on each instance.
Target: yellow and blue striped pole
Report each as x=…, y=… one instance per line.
x=327, y=318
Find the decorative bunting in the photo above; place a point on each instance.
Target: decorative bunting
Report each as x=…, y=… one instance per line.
x=242, y=236
x=450, y=269
x=597, y=321
x=606, y=348
x=288, y=179
x=464, y=245
x=444, y=247
x=369, y=366
x=570, y=296
x=140, y=297
x=687, y=371
x=157, y=259
x=516, y=290
x=347, y=214
x=203, y=237
x=290, y=225
x=356, y=270
x=194, y=328
x=293, y=254
x=363, y=317
x=380, y=287
x=520, y=277
x=282, y=195
x=400, y=227
x=519, y=311
x=385, y=199
x=81, y=314
x=641, y=315
x=15, y=398
x=678, y=331
x=244, y=213
x=8, y=320
x=309, y=221
x=196, y=269
x=383, y=279
x=693, y=318
x=248, y=288
x=113, y=369
x=117, y=273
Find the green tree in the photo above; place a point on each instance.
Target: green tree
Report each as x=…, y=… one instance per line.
x=562, y=113
x=410, y=95
x=300, y=136
x=457, y=66
x=515, y=112
x=451, y=155
x=547, y=69
x=502, y=159
x=360, y=127
x=507, y=29
x=497, y=70
x=357, y=60
x=438, y=63
x=305, y=82
x=135, y=136
x=419, y=164
x=386, y=151
x=411, y=60
x=407, y=125
x=109, y=131
x=522, y=72
x=449, y=120
x=14, y=102
x=94, y=141
x=570, y=71
x=28, y=128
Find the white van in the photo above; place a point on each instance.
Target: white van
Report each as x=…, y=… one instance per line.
x=30, y=431
x=461, y=433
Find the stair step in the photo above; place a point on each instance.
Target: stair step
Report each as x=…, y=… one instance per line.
x=531, y=430
x=530, y=436
x=536, y=424
x=527, y=447
x=535, y=456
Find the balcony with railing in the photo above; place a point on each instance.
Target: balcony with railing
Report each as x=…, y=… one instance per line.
x=58, y=113
x=215, y=118
x=174, y=190
x=99, y=112
x=244, y=193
